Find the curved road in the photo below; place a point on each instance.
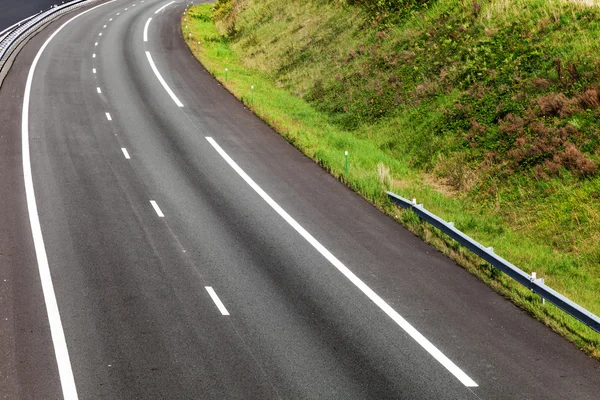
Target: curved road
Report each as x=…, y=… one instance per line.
x=196, y=254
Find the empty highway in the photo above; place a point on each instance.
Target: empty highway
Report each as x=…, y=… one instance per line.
x=192, y=253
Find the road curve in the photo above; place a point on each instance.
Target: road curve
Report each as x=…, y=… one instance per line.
x=228, y=267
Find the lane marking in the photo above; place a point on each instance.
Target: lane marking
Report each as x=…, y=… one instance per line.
x=108, y=117
x=125, y=153
x=104, y=26
x=94, y=55
x=98, y=90
x=385, y=307
x=110, y=20
x=96, y=44
x=215, y=298
x=100, y=34
x=163, y=7
x=94, y=70
x=157, y=209
x=65, y=371
x=146, y=29
x=118, y=13
x=162, y=81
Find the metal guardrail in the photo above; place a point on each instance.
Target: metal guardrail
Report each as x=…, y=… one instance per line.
x=536, y=285
x=13, y=36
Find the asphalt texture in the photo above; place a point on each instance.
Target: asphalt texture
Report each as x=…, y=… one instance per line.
x=130, y=285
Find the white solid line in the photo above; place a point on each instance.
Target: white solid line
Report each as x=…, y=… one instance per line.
x=65, y=371
x=98, y=90
x=215, y=298
x=108, y=117
x=125, y=153
x=94, y=70
x=162, y=81
x=385, y=307
x=146, y=29
x=157, y=209
x=163, y=7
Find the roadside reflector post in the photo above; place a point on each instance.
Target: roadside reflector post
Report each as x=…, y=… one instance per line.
x=226, y=73
x=198, y=48
x=347, y=166
x=252, y=94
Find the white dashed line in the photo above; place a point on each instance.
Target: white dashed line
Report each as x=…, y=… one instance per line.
x=93, y=70
x=104, y=26
x=98, y=90
x=157, y=209
x=63, y=362
x=110, y=20
x=146, y=29
x=125, y=153
x=162, y=81
x=215, y=298
x=385, y=307
x=100, y=34
x=94, y=55
x=96, y=44
x=118, y=13
x=163, y=7
x=108, y=117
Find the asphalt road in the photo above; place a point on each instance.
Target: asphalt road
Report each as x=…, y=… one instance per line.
x=303, y=266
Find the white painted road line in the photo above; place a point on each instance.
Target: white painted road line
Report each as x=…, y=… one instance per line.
x=100, y=34
x=96, y=44
x=125, y=153
x=385, y=307
x=65, y=371
x=163, y=7
x=146, y=29
x=215, y=298
x=94, y=70
x=98, y=90
x=110, y=20
x=104, y=26
x=162, y=81
x=108, y=117
x=157, y=209
x=94, y=55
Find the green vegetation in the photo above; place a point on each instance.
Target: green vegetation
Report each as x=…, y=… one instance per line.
x=485, y=111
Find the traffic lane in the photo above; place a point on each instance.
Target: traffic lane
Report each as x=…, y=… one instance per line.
x=27, y=359
x=137, y=318
x=210, y=217
x=446, y=303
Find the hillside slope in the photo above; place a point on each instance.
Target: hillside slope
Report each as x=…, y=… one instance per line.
x=485, y=111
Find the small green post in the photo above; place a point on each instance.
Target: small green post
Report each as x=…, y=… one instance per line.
x=226, y=73
x=252, y=94
x=198, y=48
x=346, y=161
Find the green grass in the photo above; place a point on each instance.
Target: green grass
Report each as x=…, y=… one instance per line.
x=401, y=93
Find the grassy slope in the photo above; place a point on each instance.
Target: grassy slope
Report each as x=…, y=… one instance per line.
x=485, y=114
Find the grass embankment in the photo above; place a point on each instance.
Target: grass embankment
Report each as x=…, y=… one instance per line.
x=486, y=112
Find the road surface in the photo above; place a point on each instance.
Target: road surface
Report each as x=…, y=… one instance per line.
x=194, y=253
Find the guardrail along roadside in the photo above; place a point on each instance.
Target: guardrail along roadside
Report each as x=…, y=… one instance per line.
x=488, y=255
x=14, y=38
